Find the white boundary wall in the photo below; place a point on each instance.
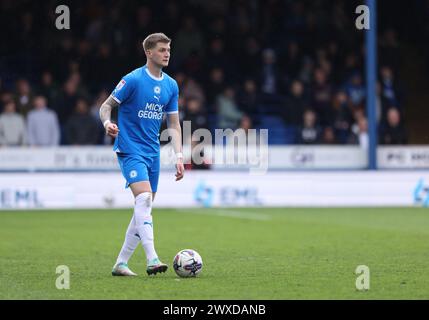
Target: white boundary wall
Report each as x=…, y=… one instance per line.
x=211, y=188
x=101, y=158
x=403, y=157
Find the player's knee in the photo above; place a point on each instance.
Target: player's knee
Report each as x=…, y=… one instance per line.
x=144, y=199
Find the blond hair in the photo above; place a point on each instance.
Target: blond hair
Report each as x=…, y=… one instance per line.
x=152, y=39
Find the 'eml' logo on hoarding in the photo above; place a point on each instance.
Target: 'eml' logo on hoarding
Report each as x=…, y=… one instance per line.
x=203, y=194
x=19, y=198
x=421, y=193
x=227, y=195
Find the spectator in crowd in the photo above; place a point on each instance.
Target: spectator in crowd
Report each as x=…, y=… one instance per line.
x=229, y=115
x=323, y=62
x=191, y=88
x=389, y=87
x=248, y=99
x=359, y=133
x=42, y=124
x=355, y=91
x=270, y=78
x=351, y=66
x=66, y=101
x=295, y=104
x=81, y=128
x=214, y=87
x=306, y=72
x=246, y=123
x=12, y=126
x=393, y=132
x=340, y=117
x=48, y=88
x=328, y=136
x=5, y=98
x=309, y=132
x=196, y=114
x=24, y=96
x=321, y=95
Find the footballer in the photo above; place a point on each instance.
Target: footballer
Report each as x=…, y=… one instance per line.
x=143, y=96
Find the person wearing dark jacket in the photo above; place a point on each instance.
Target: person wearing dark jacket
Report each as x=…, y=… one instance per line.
x=81, y=127
x=295, y=104
x=393, y=132
x=310, y=131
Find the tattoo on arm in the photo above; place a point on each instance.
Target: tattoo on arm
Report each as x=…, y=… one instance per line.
x=106, y=108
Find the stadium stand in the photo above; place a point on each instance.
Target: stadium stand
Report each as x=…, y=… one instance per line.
x=227, y=46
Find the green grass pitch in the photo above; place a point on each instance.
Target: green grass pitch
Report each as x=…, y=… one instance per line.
x=258, y=253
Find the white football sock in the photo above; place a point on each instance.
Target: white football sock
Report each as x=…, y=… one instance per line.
x=143, y=219
x=131, y=242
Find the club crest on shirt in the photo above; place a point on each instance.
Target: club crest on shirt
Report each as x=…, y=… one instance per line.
x=157, y=89
x=133, y=174
x=120, y=84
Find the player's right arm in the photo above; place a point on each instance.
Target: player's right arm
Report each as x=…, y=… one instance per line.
x=105, y=114
x=123, y=91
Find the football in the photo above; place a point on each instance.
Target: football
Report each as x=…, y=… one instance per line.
x=187, y=263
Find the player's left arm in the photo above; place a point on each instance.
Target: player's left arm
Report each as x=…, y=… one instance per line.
x=173, y=124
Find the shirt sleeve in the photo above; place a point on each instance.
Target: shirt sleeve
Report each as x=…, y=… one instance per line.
x=124, y=89
x=173, y=104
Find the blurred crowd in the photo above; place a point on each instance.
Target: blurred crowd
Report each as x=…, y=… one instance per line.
x=294, y=67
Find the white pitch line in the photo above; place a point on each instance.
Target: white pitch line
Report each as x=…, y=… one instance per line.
x=229, y=214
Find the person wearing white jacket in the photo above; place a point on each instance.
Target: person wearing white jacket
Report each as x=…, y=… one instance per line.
x=43, y=128
x=12, y=126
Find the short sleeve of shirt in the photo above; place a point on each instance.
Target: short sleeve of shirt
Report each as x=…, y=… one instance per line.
x=172, y=106
x=124, y=89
